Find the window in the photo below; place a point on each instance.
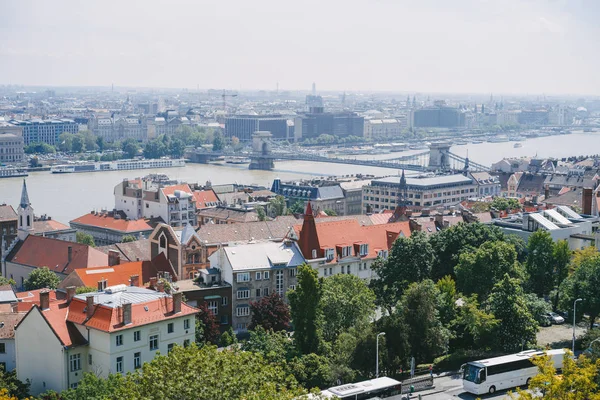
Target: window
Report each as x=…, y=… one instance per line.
x=137, y=360
x=170, y=327
x=279, y=282
x=213, y=306
x=224, y=319
x=153, y=342
x=382, y=253
x=348, y=269
x=186, y=324
x=75, y=362
x=266, y=275
x=74, y=385
x=137, y=336
x=119, y=339
x=120, y=364
x=329, y=254
x=242, y=311
x=186, y=343
x=2, y=348
x=293, y=272
x=224, y=301
x=243, y=294
x=330, y=271
x=258, y=276
x=364, y=249
x=170, y=347
x=510, y=366
x=243, y=276
x=257, y=292
x=266, y=291
x=89, y=359
x=292, y=287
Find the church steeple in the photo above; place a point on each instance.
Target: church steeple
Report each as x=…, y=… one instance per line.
x=25, y=212
x=401, y=202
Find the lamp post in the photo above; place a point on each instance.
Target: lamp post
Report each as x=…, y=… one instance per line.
x=377, y=355
x=574, y=313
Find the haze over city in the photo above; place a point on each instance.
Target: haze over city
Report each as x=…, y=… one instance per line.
x=466, y=46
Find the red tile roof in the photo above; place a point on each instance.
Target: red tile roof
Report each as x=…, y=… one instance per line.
x=107, y=221
x=170, y=190
x=39, y=251
x=9, y=321
x=110, y=319
x=7, y=213
x=49, y=225
x=201, y=197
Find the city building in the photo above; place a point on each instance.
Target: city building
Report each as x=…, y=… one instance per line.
x=45, y=131
x=487, y=185
x=561, y=222
x=255, y=270
x=167, y=123
x=444, y=190
x=8, y=226
x=208, y=288
x=243, y=126
x=50, y=228
x=378, y=129
x=437, y=117
x=323, y=195
x=109, y=227
x=316, y=122
x=9, y=318
x=115, y=330
x=138, y=250
x=227, y=215
x=11, y=148
x=533, y=117
x=345, y=246
x=116, y=128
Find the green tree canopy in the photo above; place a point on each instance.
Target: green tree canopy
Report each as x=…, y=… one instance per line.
x=277, y=206
x=207, y=328
x=473, y=327
x=584, y=283
x=271, y=313
x=218, y=141
x=40, y=148
x=85, y=238
x=305, y=304
x=41, y=278
x=517, y=328
x=540, y=263
x=347, y=302
x=14, y=387
x=506, y=204
x=65, y=142
x=130, y=147
x=410, y=260
x=128, y=238
x=561, y=256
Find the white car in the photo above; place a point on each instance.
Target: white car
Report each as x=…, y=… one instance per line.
x=556, y=319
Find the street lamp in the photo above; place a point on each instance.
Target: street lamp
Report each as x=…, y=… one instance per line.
x=574, y=313
x=377, y=355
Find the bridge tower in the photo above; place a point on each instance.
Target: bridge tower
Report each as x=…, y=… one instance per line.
x=261, y=151
x=439, y=156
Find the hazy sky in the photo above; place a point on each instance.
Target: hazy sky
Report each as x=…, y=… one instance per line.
x=501, y=46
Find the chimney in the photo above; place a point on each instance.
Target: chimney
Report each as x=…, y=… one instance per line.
x=70, y=293
x=102, y=285
x=126, y=313
x=134, y=280
x=14, y=306
x=177, y=296
x=69, y=253
x=153, y=282
x=113, y=258
x=89, y=309
x=439, y=219
x=586, y=201
x=160, y=286
x=546, y=192
x=45, y=299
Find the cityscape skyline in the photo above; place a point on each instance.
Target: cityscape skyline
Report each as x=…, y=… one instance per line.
x=534, y=47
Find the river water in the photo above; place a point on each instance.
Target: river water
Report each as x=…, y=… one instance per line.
x=68, y=196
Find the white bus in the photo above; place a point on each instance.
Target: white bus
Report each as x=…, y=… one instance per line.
x=374, y=388
x=514, y=370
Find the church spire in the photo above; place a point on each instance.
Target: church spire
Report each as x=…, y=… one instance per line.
x=401, y=202
x=24, y=196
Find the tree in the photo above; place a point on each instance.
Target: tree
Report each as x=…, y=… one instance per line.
x=218, y=142
x=297, y=207
x=275, y=347
x=271, y=313
x=260, y=211
x=65, y=142
x=312, y=370
x=473, y=327
x=128, y=239
x=517, y=328
x=581, y=256
x=85, y=289
x=505, y=204
x=477, y=272
x=40, y=148
x=426, y=335
x=6, y=281
x=228, y=338
x=305, y=305
x=34, y=162
x=130, y=147
x=100, y=143
x=450, y=243
x=85, y=238
x=207, y=328
x=156, y=148
x=330, y=213
x=347, y=302
x=41, y=278
x=277, y=206
x=561, y=256
x=540, y=263
x=537, y=306
x=410, y=260
x=578, y=380
x=78, y=143
x=584, y=284
x=12, y=385
x=447, y=299
x=176, y=148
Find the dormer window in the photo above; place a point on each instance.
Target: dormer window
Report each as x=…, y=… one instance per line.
x=383, y=254
x=314, y=253
x=346, y=251
x=364, y=249
x=330, y=254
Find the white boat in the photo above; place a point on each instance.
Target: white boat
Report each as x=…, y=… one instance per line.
x=119, y=165
x=517, y=145
x=12, y=172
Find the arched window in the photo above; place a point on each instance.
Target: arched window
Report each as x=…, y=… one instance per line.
x=28, y=221
x=163, y=242
x=20, y=220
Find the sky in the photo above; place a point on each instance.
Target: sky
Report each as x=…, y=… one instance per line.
x=453, y=46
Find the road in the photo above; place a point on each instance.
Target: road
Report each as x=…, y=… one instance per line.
x=450, y=388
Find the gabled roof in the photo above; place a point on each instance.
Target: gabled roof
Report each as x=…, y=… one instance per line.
x=263, y=255
x=56, y=318
x=138, y=250
x=48, y=225
x=39, y=251
x=205, y=198
x=107, y=221
x=7, y=213
x=170, y=190
x=8, y=321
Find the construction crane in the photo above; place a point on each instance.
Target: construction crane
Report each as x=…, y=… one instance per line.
x=224, y=96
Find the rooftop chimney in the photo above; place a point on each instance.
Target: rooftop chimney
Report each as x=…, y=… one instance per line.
x=160, y=286
x=69, y=253
x=177, y=296
x=135, y=280
x=89, y=309
x=102, y=285
x=113, y=258
x=126, y=313
x=14, y=306
x=586, y=201
x=45, y=299
x=70, y=293
x=153, y=282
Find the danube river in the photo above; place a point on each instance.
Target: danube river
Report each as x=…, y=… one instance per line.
x=68, y=196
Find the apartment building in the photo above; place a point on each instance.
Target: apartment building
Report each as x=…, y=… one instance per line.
x=45, y=131
x=115, y=330
x=11, y=148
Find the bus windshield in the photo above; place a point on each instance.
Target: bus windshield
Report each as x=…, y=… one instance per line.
x=471, y=373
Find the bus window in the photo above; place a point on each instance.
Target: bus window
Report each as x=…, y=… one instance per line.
x=471, y=373
x=482, y=375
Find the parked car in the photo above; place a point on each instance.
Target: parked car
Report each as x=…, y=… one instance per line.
x=555, y=318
